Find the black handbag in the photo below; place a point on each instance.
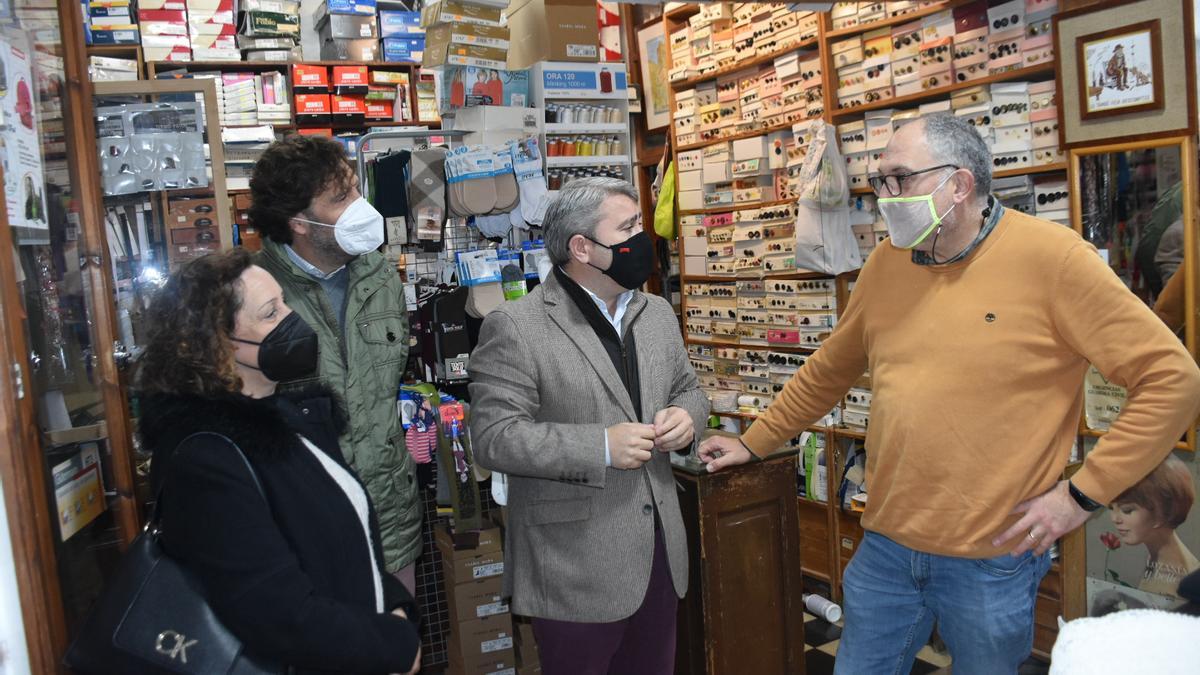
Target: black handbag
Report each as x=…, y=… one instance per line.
x=153, y=618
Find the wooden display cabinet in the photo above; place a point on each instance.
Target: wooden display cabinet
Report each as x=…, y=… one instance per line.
x=744, y=611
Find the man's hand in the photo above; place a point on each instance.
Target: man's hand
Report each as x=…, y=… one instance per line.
x=629, y=444
x=673, y=429
x=416, y=666
x=1047, y=517
x=719, y=452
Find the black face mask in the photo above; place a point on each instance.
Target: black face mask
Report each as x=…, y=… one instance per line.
x=632, y=260
x=288, y=352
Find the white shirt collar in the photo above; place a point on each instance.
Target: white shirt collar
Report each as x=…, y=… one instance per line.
x=622, y=305
x=309, y=268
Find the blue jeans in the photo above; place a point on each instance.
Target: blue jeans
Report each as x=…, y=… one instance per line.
x=893, y=594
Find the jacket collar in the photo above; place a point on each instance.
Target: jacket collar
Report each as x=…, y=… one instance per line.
x=566, y=314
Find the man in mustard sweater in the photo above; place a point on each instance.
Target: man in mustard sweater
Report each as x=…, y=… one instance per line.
x=977, y=324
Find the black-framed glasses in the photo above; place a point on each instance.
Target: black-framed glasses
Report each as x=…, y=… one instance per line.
x=894, y=183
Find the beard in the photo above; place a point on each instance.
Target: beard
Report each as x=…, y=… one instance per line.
x=324, y=243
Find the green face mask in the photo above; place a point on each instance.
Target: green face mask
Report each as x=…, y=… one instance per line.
x=910, y=220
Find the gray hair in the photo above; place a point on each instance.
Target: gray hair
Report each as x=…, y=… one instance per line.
x=954, y=141
x=576, y=210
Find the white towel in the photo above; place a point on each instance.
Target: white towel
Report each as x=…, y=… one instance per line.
x=1132, y=642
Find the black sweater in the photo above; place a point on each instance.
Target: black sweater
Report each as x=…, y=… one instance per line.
x=291, y=577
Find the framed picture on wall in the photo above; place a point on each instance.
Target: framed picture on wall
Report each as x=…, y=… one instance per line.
x=1126, y=71
x=1120, y=70
x=655, y=61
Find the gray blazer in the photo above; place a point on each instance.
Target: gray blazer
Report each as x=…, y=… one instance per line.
x=580, y=538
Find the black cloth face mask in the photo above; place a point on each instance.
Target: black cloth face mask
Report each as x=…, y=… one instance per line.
x=288, y=352
x=632, y=260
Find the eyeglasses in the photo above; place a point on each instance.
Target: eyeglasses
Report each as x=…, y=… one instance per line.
x=893, y=184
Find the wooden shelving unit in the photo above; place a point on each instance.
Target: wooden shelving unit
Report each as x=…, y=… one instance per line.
x=825, y=526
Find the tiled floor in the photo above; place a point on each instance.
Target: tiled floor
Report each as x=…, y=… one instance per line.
x=821, y=643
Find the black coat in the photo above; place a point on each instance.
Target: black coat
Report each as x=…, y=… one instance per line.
x=291, y=577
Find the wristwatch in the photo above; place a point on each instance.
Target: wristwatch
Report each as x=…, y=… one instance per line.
x=1086, y=503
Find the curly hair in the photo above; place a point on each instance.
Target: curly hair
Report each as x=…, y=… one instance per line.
x=290, y=173
x=190, y=319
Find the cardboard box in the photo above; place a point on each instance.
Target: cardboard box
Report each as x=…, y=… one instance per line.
x=177, y=5
x=552, y=30
x=268, y=24
x=494, y=664
x=480, y=645
x=350, y=80
x=381, y=110
x=403, y=49
x=461, y=569
x=467, y=34
x=469, y=543
x=275, y=55
x=350, y=50
x=122, y=36
x=166, y=48
x=347, y=26
x=453, y=11
x=310, y=79
x=313, y=108
x=379, y=76
x=465, y=55
x=349, y=109
x=476, y=600
x=363, y=7
x=394, y=23
x=463, y=86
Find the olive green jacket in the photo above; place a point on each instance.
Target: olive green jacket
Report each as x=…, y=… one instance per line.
x=364, y=366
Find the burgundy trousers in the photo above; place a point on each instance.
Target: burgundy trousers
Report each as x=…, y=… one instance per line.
x=643, y=644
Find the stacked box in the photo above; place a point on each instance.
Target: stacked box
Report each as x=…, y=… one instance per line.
x=462, y=33
x=402, y=37
x=348, y=30
x=481, y=628
x=111, y=22
x=256, y=46
x=310, y=85
x=212, y=31
x=164, y=30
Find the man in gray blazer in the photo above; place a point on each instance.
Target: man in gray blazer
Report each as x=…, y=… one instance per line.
x=579, y=392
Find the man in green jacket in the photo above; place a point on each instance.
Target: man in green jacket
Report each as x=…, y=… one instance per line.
x=319, y=242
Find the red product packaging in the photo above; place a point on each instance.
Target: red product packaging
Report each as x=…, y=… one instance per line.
x=310, y=79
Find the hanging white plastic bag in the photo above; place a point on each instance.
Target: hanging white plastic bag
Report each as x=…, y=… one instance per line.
x=824, y=240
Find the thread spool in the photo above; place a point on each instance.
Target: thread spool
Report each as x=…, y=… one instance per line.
x=823, y=607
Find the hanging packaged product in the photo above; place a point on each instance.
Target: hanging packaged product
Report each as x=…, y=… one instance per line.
x=427, y=195
x=455, y=454
x=527, y=164
x=417, y=407
x=470, y=179
x=153, y=146
x=478, y=267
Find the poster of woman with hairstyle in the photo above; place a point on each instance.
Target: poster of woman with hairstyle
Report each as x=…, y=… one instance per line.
x=1146, y=542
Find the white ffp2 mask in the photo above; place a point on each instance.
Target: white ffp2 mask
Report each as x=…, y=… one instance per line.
x=358, y=230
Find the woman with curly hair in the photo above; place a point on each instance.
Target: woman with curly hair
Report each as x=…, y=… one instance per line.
x=297, y=576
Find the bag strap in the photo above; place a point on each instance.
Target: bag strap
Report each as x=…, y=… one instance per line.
x=155, y=514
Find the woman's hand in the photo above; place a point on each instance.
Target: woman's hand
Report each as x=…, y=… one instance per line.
x=417, y=661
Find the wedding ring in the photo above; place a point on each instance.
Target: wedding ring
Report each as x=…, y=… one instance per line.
x=1031, y=536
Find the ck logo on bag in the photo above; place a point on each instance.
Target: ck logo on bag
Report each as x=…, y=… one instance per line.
x=178, y=648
